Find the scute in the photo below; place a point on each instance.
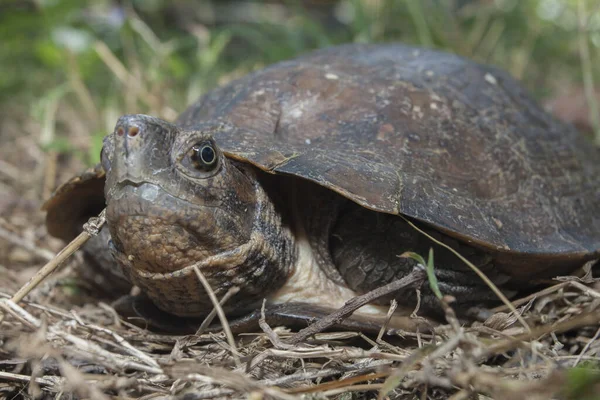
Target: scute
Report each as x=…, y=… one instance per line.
x=421, y=133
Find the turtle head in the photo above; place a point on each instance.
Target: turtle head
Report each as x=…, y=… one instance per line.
x=175, y=202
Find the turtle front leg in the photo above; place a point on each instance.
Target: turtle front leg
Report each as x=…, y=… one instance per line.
x=366, y=248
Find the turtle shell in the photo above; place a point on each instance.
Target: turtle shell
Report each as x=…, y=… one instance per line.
x=74, y=202
x=402, y=130
x=430, y=135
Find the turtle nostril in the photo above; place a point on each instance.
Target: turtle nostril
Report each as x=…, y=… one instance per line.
x=120, y=131
x=133, y=131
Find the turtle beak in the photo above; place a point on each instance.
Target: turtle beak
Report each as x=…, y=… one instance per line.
x=139, y=148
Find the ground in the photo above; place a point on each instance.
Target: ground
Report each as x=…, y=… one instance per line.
x=71, y=68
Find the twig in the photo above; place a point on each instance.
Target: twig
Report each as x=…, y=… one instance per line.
x=388, y=317
x=353, y=388
x=91, y=228
x=490, y=384
x=80, y=346
x=52, y=381
x=209, y=318
x=586, y=347
x=409, y=364
x=340, y=384
x=321, y=352
x=125, y=345
x=275, y=340
x=415, y=278
x=193, y=371
x=302, y=375
x=220, y=313
x=221, y=393
x=587, y=290
x=588, y=319
x=76, y=382
x=525, y=300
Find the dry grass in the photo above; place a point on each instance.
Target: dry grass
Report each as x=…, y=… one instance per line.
x=62, y=341
x=51, y=346
x=43, y=344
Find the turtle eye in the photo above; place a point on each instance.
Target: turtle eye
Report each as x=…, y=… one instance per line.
x=203, y=156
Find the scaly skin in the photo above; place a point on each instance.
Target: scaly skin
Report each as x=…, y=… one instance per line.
x=165, y=216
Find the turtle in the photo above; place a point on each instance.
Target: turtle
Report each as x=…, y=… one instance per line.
x=302, y=183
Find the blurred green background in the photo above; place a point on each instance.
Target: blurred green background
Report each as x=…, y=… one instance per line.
x=69, y=68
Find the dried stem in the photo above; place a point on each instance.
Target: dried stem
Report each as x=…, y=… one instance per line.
x=220, y=313
x=91, y=228
x=415, y=278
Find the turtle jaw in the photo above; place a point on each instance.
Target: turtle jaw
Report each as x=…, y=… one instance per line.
x=157, y=238
x=162, y=233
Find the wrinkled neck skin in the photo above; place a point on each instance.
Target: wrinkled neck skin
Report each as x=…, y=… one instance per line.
x=165, y=219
